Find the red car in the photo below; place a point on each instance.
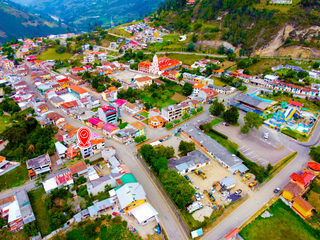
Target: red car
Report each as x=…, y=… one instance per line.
x=252, y=184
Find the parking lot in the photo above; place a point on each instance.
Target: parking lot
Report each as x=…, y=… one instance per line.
x=127, y=75
x=253, y=146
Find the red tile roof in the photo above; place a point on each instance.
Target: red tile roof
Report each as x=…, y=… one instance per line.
x=295, y=103
x=303, y=203
x=78, y=167
x=304, y=178
x=78, y=89
x=69, y=104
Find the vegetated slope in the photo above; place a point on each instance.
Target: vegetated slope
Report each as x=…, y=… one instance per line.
x=17, y=22
x=248, y=23
x=100, y=12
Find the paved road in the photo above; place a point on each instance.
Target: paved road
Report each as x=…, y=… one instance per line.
x=261, y=197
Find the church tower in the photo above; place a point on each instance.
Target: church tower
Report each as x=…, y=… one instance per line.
x=155, y=65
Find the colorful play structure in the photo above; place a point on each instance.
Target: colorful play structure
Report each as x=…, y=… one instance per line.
x=285, y=115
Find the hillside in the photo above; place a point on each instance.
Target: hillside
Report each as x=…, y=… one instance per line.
x=251, y=25
x=17, y=22
x=80, y=12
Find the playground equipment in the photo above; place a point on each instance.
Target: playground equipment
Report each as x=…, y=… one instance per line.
x=286, y=115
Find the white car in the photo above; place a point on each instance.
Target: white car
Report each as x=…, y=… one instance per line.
x=266, y=136
x=197, y=196
x=212, y=190
x=201, y=195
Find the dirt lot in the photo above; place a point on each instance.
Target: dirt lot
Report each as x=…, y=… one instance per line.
x=215, y=172
x=178, y=97
x=226, y=64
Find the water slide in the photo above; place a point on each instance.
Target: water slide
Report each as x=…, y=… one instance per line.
x=290, y=114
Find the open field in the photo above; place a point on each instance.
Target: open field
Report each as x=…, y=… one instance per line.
x=218, y=82
x=20, y=235
x=284, y=224
x=51, y=54
x=14, y=178
x=279, y=7
x=187, y=59
x=226, y=64
x=178, y=97
x=121, y=32
x=216, y=121
x=5, y=121
x=264, y=65
x=37, y=200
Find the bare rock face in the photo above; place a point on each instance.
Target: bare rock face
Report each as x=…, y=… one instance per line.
x=215, y=44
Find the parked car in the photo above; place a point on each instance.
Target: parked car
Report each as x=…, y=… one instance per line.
x=238, y=192
x=226, y=124
x=246, y=177
x=201, y=195
x=197, y=196
x=197, y=188
x=191, y=181
x=186, y=177
x=277, y=190
x=266, y=136
x=211, y=189
x=252, y=184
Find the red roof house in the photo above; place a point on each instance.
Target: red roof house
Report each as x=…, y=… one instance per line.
x=302, y=178
x=294, y=103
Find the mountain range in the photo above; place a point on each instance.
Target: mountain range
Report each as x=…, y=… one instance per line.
x=80, y=13
x=17, y=21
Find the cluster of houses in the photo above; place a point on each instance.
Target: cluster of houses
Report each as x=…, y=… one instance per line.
x=144, y=34
x=293, y=191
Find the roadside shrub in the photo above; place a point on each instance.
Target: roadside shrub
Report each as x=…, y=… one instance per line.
x=220, y=134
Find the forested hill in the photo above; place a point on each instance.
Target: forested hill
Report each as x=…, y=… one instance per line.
x=247, y=23
x=18, y=22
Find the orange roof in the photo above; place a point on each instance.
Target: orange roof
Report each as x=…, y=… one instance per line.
x=220, y=70
x=6, y=200
x=78, y=89
x=156, y=118
x=2, y=158
x=96, y=141
x=138, y=125
x=144, y=79
x=145, y=64
x=112, y=89
x=78, y=167
x=303, y=203
x=198, y=85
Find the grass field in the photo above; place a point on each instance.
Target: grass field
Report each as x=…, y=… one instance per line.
x=145, y=114
x=231, y=146
x=121, y=32
x=218, y=82
x=264, y=65
x=145, y=121
x=5, y=121
x=51, y=54
x=20, y=235
x=14, y=178
x=178, y=97
x=227, y=64
x=284, y=224
x=216, y=121
x=37, y=200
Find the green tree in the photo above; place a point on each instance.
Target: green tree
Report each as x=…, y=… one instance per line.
x=231, y=115
x=177, y=121
x=221, y=49
x=95, y=83
x=316, y=65
x=140, y=55
x=229, y=51
x=303, y=74
x=160, y=163
x=315, y=153
x=147, y=152
x=246, y=71
x=194, y=112
x=206, y=127
x=199, y=109
x=194, y=38
x=143, y=138
x=185, y=116
x=169, y=125
x=191, y=47
x=185, y=147
x=253, y=119
x=187, y=89
x=30, y=229
x=217, y=109
x=245, y=129
x=137, y=139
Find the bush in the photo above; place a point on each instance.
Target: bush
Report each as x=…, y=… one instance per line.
x=137, y=139
x=169, y=125
x=143, y=138
x=220, y=134
x=116, y=220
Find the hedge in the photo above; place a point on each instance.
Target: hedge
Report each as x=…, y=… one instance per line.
x=220, y=134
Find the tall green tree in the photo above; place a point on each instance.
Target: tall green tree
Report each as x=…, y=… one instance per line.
x=231, y=115
x=253, y=119
x=217, y=109
x=315, y=153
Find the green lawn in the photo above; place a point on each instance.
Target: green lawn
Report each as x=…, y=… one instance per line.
x=216, y=121
x=37, y=200
x=284, y=224
x=188, y=59
x=145, y=121
x=14, y=178
x=51, y=54
x=145, y=114
x=20, y=235
x=218, y=82
x=4, y=122
x=231, y=146
x=123, y=125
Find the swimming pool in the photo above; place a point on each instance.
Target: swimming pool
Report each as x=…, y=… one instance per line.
x=301, y=128
x=264, y=100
